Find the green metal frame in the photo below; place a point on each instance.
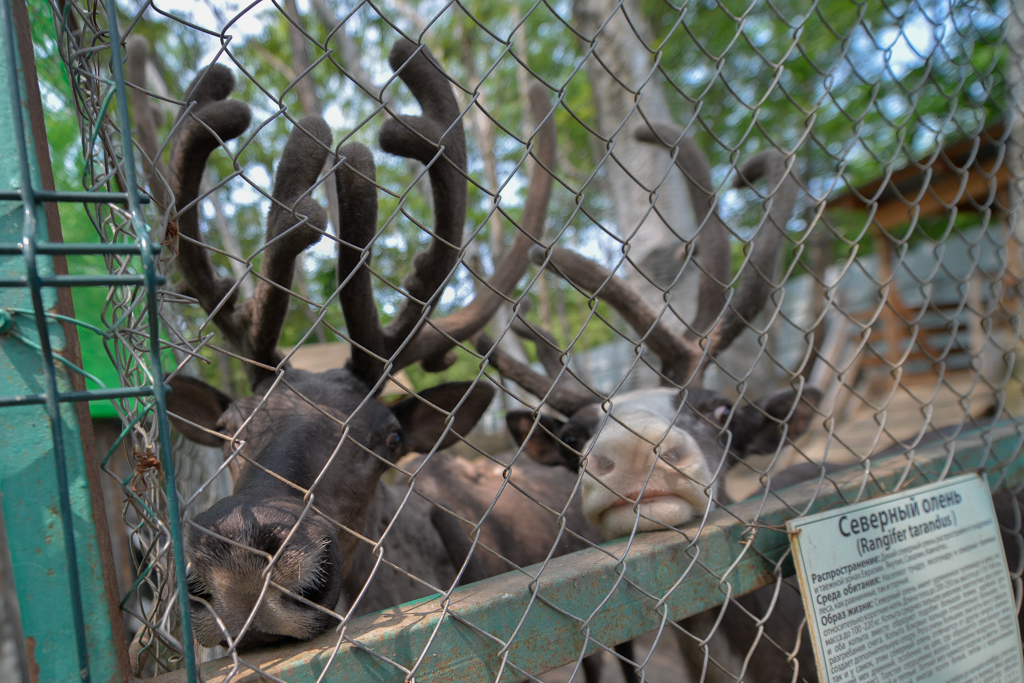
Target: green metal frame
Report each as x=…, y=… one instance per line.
x=47, y=505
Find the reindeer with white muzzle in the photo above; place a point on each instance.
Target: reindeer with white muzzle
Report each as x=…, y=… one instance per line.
x=654, y=459
x=662, y=452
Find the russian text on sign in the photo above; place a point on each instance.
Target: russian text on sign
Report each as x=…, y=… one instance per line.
x=872, y=573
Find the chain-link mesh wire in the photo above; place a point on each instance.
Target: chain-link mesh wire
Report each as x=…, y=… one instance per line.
x=661, y=340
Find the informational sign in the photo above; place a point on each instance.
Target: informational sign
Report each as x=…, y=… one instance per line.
x=910, y=587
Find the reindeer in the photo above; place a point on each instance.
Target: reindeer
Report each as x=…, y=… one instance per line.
x=653, y=459
x=309, y=521
x=679, y=429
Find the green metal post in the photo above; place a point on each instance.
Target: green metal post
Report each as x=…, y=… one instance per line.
x=55, y=557
x=159, y=412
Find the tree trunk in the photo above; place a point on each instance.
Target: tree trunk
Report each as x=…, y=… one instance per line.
x=620, y=75
x=347, y=52
x=229, y=240
x=542, y=291
x=482, y=131
x=300, y=62
x=306, y=88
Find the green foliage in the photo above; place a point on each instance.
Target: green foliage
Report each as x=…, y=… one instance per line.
x=838, y=82
x=854, y=88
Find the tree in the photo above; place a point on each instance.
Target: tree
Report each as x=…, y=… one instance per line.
x=652, y=212
x=838, y=84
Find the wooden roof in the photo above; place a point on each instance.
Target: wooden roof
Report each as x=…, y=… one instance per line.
x=970, y=174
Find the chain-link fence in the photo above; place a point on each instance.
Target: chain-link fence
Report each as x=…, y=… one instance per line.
x=456, y=293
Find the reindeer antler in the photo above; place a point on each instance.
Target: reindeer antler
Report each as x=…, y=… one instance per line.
x=682, y=358
x=559, y=389
x=565, y=396
x=548, y=352
x=294, y=223
x=211, y=123
x=712, y=241
x=679, y=354
x=437, y=140
x=437, y=336
x=759, y=272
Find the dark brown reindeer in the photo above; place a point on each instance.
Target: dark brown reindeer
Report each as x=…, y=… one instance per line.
x=653, y=459
x=306, y=524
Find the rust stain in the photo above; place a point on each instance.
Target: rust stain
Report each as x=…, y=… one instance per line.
x=30, y=655
x=145, y=461
x=171, y=236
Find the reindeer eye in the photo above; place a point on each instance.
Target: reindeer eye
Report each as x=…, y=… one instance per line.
x=222, y=427
x=394, y=440
x=721, y=412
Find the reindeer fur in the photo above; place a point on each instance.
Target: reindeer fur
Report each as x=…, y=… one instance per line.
x=310, y=521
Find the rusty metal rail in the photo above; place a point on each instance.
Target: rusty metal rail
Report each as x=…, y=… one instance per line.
x=528, y=622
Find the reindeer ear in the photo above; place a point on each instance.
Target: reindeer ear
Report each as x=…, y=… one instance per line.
x=199, y=403
x=423, y=416
x=580, y=428
x=543, y=444
x=757, y=428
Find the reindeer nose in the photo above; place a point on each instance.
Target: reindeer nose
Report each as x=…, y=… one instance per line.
x=602, y=464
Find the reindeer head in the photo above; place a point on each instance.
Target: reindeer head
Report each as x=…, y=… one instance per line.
x=307, y=449
x=653, y=459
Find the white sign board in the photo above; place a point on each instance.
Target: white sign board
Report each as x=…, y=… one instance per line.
x=910, y=587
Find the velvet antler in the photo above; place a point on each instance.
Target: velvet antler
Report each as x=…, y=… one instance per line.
x=711, y=244
x=294, y=223
x=563, y=397
x=679, y=354
x=682, y=358
x=436, y=138
x=757, y=280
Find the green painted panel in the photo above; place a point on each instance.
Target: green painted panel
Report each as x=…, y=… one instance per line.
x=64, y=144
x=464, y=636
x=29, y=491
